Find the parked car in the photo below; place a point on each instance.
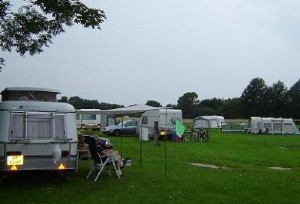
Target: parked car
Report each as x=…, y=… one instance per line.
x=129, y=127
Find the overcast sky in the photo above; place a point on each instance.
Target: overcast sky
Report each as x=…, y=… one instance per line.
x=161, y=49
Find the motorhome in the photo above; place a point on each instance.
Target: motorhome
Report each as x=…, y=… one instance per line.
x=166, y=122
x=36, y=131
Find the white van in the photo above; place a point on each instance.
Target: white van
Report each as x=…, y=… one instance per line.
x=166, y=121
x=36, y=131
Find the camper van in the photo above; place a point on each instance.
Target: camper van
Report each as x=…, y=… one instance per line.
x=166, y=122
x=36, y=131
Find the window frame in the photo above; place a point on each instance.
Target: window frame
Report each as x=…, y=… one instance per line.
x=37, y=125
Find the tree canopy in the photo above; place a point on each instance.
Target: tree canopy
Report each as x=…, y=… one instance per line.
x=294, y=100
x=33, y=25
x=153, y=103
x=80, y=103
x=254, y=97
x=187, y=102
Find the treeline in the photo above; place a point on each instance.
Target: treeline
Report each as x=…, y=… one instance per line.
x=80, y=103
x=257, y=99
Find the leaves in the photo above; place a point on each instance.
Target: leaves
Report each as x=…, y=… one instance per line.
x=153, y=103
x=33, y=26
x=254, y=97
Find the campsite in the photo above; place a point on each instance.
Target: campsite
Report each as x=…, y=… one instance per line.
x=149, y=102
x=230, y=168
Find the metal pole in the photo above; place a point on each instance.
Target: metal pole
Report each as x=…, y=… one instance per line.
x=121, y=135
x=141, y=145
x=166, y=141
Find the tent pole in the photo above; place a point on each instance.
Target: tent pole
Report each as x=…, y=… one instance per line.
x=121, y=135
x=166, y=141
x=141, y=145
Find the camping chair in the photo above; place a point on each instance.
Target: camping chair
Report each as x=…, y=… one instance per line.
x=99, y=162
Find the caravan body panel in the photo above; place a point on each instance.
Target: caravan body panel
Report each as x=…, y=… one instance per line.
x=88, y=118
x=37, y=135
x=166, y=120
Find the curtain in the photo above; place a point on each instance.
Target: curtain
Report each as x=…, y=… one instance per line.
x=37, y=125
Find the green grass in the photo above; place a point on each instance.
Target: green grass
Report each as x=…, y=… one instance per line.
x=168, y=177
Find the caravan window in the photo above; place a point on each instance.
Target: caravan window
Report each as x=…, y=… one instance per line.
x=88, y=116
x=37, y=125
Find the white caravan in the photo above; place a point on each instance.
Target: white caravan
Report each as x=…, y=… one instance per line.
x=88, y=118
x=36, y=131
x=166, y=121
x=93, y=119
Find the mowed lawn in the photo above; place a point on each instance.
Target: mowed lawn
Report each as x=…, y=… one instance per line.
x=241, y=173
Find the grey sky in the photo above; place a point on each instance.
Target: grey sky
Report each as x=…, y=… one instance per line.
x=161, y=49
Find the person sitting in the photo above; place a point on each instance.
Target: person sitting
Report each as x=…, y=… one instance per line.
x=105, y=148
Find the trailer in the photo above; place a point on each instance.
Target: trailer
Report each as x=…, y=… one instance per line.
x=166, y=122
x=93, y=119
x=36, y=131
x=88, y=119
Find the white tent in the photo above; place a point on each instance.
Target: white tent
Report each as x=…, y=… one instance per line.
x=137, y=108
x=273, y=125
x=208, y=121
x=289, y=127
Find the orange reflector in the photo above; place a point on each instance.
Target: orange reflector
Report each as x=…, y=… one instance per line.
x=14, y=168
x=61, y=166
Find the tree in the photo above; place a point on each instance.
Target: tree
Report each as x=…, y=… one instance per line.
x=294, y=100
x=213, y=103
x=255, y=98
x=187, y=103
x=76, y=101
x=199, y=110
x=278, y=99
x=153, y=103
x=80, y=103
x=33, y=26
x=106, y=106
x=231, y=108
x=64, y=99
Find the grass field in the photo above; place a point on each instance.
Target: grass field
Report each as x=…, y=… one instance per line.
x=164, y=174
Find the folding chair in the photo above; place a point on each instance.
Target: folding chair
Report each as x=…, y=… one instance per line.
x=99, y=162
